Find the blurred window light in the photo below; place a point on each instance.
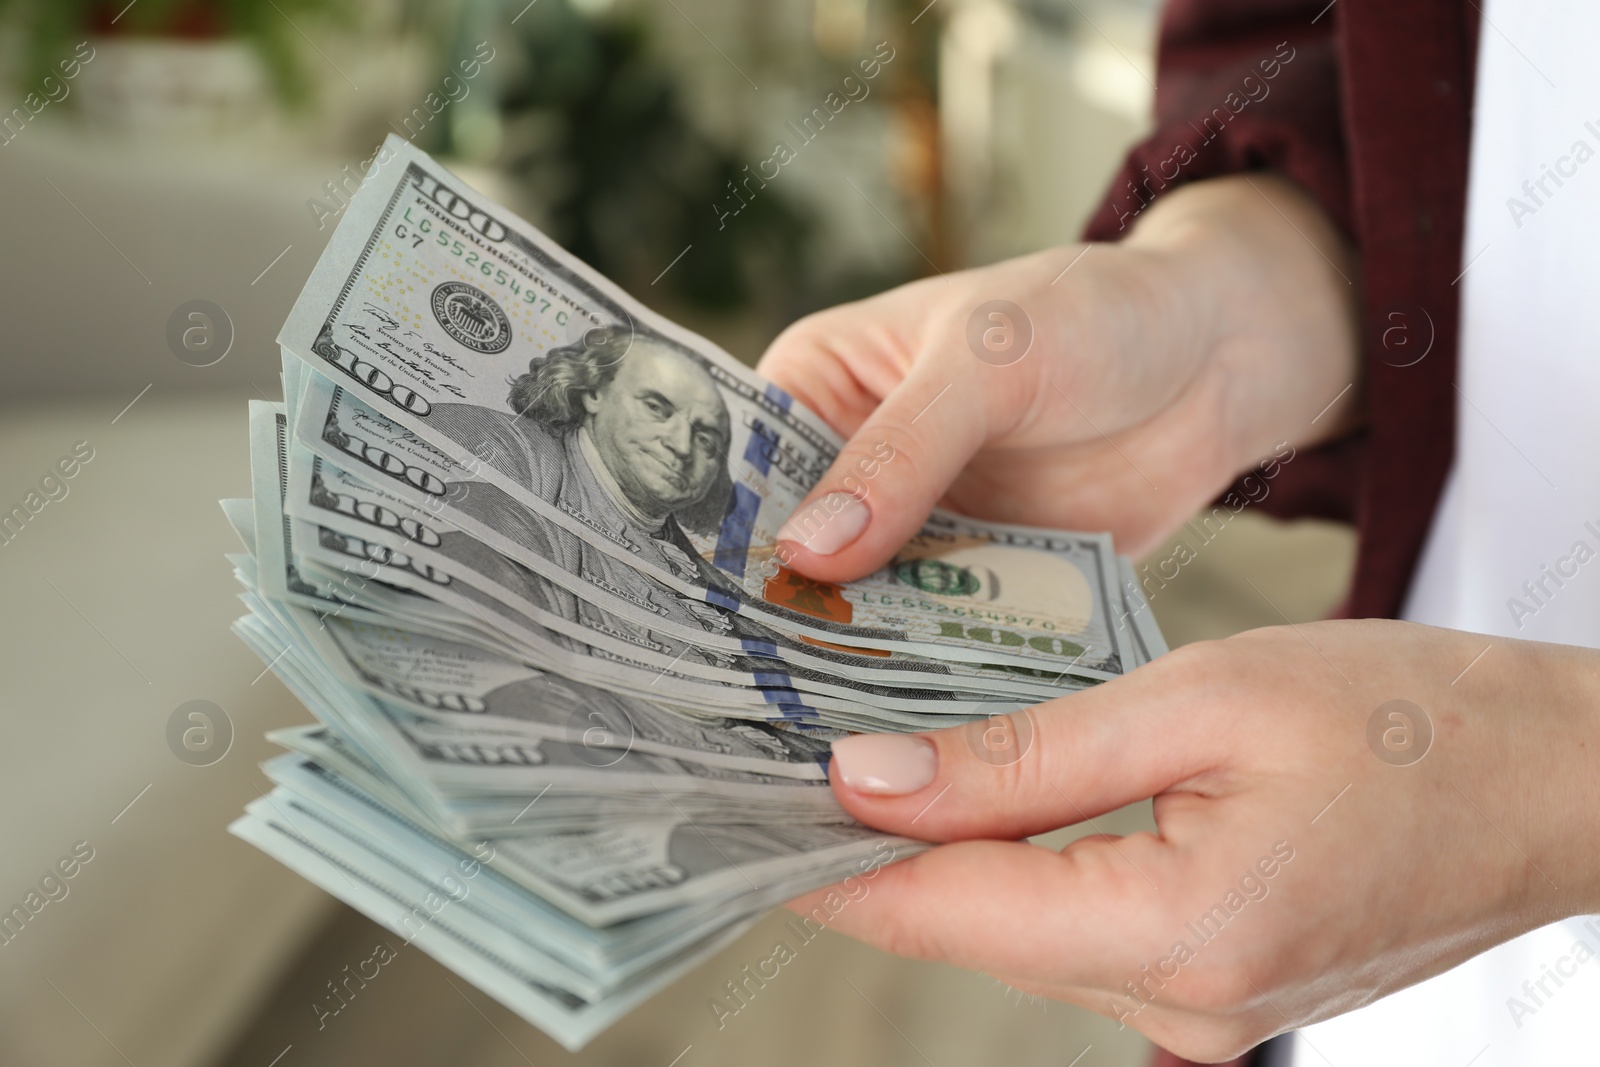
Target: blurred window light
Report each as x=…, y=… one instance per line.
x=1038, y=100
x=978, y=36
x=1115, y=79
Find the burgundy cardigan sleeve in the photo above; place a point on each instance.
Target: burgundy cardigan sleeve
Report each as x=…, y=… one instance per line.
x=1250, y=85
x=1368, y=107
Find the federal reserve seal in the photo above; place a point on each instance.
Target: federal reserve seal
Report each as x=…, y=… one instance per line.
x=470, y=316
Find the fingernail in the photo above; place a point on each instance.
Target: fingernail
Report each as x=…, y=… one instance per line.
x=830, y=523
x=885, y=765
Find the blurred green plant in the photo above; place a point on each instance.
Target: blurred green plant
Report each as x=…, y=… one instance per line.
x=597, y=127
x=51, y=28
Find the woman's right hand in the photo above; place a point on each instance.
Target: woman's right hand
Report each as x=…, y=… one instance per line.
x=1117, y=387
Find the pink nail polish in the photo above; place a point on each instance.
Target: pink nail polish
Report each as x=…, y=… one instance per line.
x=885, y=765
x=829, y=523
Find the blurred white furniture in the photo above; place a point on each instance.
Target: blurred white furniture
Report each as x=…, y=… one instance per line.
x=117, y=610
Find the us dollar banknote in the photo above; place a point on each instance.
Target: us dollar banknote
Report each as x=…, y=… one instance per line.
x=357, y=575
x=626, y=871
x=693, y=632
x=461, y=686
x=511, y=540
x=472, y=780
x=639, y=447
x=606, y=658
x=573, y=968
x=267, y=532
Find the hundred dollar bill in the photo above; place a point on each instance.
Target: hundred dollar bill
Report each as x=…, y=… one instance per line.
x=466, y=904
x=461, y=902
x=764, y=702
x=454, y=683
x=460, y=685
x=552, y=642
x=627, y=871
x=456, y=771
x=496, y=951
x=333, y=499
x=377, y=585
x=465, y=889
x=588, y=578
x=618, y=950
x=357, y=880
x=637, y=448
x=270, y=541
x=394, y=585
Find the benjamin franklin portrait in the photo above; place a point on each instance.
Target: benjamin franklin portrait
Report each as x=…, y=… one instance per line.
x=625, y=432
x=648, y=411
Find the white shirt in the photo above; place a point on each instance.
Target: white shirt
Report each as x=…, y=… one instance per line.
x=1524, y=491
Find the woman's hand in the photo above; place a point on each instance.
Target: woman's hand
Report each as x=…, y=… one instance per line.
x=1158, y=368
x=1315, y=849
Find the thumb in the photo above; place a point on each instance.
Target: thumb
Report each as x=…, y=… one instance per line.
x=1013, y=776
x=889, y=475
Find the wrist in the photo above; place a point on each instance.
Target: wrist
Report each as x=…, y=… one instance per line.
x=1274, y=282
x=1564, y=695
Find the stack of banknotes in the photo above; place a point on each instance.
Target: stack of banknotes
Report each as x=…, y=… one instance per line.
x=511, y=539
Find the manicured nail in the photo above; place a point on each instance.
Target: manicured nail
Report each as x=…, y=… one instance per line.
x=885, y=765
x=830, y=523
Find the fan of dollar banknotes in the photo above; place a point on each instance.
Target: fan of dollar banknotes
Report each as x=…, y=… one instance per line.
x=511, y=539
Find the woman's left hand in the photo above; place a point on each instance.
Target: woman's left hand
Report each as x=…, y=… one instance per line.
x=1318, y=844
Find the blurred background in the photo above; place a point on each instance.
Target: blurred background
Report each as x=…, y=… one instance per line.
x=203, y=150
